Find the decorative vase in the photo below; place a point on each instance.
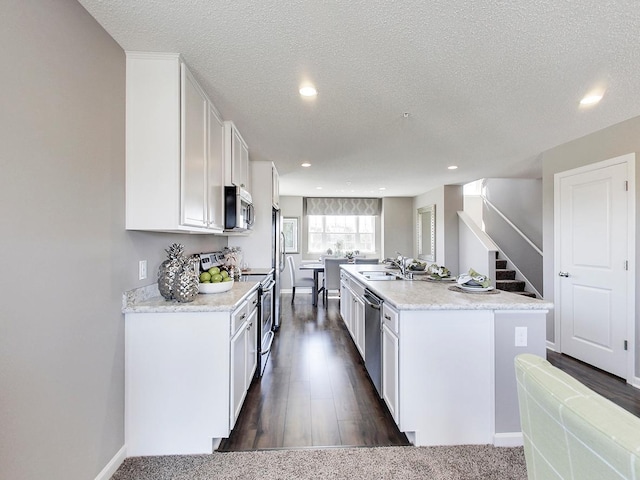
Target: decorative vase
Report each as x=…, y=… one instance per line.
x=185, y=287
x=169, y=270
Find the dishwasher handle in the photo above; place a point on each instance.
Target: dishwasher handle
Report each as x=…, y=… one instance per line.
x=372, y=300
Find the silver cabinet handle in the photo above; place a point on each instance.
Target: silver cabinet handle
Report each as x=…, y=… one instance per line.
x=563, y=274
x=387, y=316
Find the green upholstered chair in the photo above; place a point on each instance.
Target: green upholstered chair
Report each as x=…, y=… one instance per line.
x=571, y=432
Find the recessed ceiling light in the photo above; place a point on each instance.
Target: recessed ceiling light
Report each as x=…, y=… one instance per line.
x=305, y=164
x=318, y=188
x=382, y=188
x=591, y=99
x=452, y=167
x=308, y=91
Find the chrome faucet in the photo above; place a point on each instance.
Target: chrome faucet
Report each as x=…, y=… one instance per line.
x=403, y=264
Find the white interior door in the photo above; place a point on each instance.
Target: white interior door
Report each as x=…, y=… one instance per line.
x=593, y=262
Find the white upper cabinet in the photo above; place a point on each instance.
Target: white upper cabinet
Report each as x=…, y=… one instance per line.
x=215, y=169
x=236, y=158
x=174, y=150
x=193, y=155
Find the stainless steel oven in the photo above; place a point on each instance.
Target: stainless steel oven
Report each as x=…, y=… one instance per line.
x=265, y=313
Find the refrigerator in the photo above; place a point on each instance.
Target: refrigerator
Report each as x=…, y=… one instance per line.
x=262, y=249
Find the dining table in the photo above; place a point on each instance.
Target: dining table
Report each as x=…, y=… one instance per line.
x=317, y=267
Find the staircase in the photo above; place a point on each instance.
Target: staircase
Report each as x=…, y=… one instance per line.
x=506, y=280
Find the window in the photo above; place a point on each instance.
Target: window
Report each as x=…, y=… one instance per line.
x=344, y=233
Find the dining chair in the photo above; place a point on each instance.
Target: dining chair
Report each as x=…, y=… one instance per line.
x=367, y=260
x=332, y=275
x=297, y=282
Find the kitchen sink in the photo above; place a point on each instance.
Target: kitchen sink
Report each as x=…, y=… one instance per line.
x=380, y=275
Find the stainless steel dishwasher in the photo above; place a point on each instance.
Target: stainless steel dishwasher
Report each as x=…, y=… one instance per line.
x=373, y=338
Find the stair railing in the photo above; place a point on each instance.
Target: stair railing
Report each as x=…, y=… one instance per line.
x=510, y=223
x=512, y=265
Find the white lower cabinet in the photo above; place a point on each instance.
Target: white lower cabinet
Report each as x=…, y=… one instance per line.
x=346, y=305
x=358, y=323
x=390, y=357
x=186, y=377
x=243, y=347
x=352, y=310
x=238, y=359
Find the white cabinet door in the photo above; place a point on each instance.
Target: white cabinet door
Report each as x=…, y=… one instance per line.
x=390, y=370
x=236, y=157
x=251, y=348
x=344, y=301
x=194, y=112
x=238, y=372
x=215, y=171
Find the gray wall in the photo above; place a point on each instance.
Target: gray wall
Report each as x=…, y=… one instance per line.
x=398, y=218
x=292, y=207
x=448, y=200
x=66, y=256
x=520, y=200
x=611, y=142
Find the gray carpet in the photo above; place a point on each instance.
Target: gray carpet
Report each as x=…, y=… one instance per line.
x=465, y=462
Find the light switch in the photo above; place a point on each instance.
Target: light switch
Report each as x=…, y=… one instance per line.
x=142, y=269
x=521, y=336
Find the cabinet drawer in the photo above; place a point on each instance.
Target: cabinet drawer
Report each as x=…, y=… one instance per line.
x=390, y=318
x=252, y=302
x=238, y=317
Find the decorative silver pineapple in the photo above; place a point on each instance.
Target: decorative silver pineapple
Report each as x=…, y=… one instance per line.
x=169, y=270
x=185, y=286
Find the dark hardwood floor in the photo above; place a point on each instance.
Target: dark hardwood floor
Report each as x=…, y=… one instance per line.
x=315, y=390
x=609, y=386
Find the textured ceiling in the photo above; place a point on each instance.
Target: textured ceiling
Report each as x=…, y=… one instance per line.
x=488, y=85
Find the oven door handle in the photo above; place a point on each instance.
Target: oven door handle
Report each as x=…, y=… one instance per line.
x=269, y=343
x=269, y=286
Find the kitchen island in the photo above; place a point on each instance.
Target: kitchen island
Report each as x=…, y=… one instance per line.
x=187, y=368
x=447, y=356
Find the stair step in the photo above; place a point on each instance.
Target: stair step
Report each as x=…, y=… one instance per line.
x=504, y=274
x=510, y=285
x=501, y=264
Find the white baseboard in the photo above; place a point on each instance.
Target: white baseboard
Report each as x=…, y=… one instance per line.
x=510, y=439
x=551, y=346
x=113, y=465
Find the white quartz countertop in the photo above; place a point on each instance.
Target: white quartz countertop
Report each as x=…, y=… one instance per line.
x=422, y=294
x=148, y=300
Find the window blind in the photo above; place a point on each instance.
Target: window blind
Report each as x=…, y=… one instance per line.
x=342, y=206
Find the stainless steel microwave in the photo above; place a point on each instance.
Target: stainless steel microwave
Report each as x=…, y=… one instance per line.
x=238, y=209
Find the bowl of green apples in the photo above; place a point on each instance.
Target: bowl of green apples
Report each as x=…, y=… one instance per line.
x=215, y=280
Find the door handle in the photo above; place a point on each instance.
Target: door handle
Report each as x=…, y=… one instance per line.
x=563, y=274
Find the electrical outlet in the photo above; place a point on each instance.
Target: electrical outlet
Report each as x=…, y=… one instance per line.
x=142, y=269
x=521, y=336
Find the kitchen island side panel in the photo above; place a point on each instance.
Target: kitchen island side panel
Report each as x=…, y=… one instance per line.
x=446, y=376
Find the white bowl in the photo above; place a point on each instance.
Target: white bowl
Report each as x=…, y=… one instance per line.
x=218, y=287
